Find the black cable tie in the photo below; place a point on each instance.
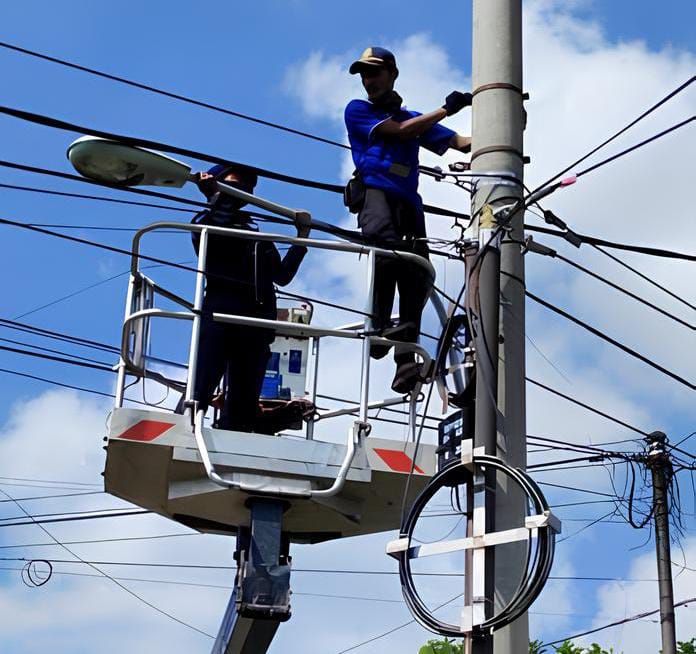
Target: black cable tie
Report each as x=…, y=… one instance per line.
x=530, y=245
x=552, y=219
x=569, y=235
x=573, y=238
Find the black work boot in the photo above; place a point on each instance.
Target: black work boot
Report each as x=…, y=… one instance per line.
x=379, y=351
x=407, y=376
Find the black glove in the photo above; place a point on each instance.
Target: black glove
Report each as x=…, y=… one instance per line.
x=456, y=101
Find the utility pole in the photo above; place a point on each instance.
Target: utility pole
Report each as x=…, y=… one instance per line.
x=497, y=143
x=657, y=459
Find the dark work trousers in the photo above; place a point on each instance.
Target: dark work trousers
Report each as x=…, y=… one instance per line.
x=242, y=353
x=392, y=223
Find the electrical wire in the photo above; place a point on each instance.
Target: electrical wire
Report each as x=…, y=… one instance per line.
x=54, y=382
x=317, y=225
x=657, y=136
x=49, y=481
x=101, y=572
x=55, y=335
x=97, y=541
x=621, y=289
x=172, y=264
x=586, y=406
x=638, y=616
x=614, y=136
x=170, y=94
x=624, y=348
x=54, y=123
x=49, y=497
x=576, y=489
x=49, y=357
x=592, y=447
x=98, y=198
x=81, y=290
x=79, y=518
x=52, y=350
x=644, y=277
x=391, y=631
x=592, y=240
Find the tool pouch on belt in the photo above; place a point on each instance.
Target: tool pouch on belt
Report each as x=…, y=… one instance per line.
x=354, y=193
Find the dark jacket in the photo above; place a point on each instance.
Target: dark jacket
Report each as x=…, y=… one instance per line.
x=242, y=272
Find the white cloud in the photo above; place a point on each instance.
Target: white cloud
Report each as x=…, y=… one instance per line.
x=583, y=87
x=624, y=599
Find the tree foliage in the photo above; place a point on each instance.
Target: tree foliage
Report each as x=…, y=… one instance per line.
x=447, y=646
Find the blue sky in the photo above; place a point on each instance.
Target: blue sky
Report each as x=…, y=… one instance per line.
x=591, y=66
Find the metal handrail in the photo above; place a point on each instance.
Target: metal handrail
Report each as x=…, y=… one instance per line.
x=360, y=427
x=321, y=244
x=381, y=404
x=284, y=327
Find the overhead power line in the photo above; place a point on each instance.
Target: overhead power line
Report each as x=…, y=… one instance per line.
x=52, y=350
x=317, y=225
x=657, y=136
x=638, y=616
x=165, y=262
x=609, y=339
x=97, y=541
x=60, y=336
x=579, y=490
x=643, y=276
x=101, y=572
x=173, y=582
x=55, y=123
x=54, y=382
x=592, y=240
x=623, y=290
x=50, y=357
x=99, y=198
x=614, y=136
x=170, y=94
x=79, y=518
x=587, y=406
x=337, y=231
x=49, y=497
x=85, y=180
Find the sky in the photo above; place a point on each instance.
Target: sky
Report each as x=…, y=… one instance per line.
x=590, y=67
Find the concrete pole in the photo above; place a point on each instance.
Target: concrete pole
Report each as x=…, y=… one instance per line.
x=497, y=143
x=659, y=464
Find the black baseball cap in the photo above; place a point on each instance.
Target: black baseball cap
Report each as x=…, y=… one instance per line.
x=222, y=170
x=372, y=57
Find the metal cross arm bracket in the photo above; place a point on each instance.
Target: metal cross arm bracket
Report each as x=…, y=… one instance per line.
x=402, y=545
x=545, y=519
x=469, y=453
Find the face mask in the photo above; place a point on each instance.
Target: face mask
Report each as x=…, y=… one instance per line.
x=390, y=101
x=229, y=202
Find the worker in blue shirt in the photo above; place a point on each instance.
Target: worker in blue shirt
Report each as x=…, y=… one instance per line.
x=385, y=139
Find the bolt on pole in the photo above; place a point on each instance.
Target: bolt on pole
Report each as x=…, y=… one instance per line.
x=658, y=461
x=497, y=144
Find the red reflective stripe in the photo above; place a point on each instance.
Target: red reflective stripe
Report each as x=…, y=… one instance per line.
x=146, y=430
x=397, y=460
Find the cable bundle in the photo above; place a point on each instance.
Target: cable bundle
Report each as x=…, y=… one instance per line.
x=538, y=563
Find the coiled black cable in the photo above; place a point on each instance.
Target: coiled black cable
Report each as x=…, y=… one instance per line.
x=534, y=575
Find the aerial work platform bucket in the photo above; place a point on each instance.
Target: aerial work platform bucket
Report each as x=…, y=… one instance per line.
x=267, y=489
x=153, y=461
